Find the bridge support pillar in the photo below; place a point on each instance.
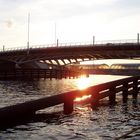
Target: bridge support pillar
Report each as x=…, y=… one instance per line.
x=56, y=74
x=125, y=93
x=44, y=74
x=112, y=96
x=60, y=74
x=51, y=74
x=68, y=104
x=65, y=74
x=135, y=89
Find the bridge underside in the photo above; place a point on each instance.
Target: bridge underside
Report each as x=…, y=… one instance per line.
x=7, y=65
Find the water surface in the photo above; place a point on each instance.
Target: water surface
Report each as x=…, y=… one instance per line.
x=105, y=123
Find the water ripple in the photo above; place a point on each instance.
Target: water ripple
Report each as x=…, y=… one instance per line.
x=105, y=123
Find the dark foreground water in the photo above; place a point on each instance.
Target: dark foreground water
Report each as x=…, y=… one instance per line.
x=105, y=123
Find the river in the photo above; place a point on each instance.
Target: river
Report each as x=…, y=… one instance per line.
x=105, y=123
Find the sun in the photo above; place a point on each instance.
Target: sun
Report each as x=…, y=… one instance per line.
x=83, y=82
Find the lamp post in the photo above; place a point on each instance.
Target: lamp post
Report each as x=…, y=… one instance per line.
x=55, y=40
x=28, y=44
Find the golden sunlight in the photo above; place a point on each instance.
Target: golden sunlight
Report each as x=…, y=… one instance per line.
x=84, y=82
x=78, y=99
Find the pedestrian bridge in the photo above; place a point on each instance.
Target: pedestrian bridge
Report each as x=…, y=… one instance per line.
x=61, y=55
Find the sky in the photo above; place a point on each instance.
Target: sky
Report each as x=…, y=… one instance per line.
x=67, y=20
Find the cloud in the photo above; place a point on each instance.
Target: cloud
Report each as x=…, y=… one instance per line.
x=128, y=3
x=72, y=8
x=8, y=23
x=53, y=10
x=127, y=6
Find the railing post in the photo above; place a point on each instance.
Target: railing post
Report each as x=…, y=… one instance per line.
x=138, y=38
x=95, y=100
x=125, y=93
x=93, y=40
x=68, y=104
x=112, y=96
x=3, y=48
x=135, y=89
x=57, y=42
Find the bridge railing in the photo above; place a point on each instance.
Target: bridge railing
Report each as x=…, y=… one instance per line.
x=116, y=41
x=72, y=44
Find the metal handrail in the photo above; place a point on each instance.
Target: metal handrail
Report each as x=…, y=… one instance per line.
x=72, y=44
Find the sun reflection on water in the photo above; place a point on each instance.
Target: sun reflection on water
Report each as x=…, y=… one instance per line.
x=78, y=99
x=84, y=82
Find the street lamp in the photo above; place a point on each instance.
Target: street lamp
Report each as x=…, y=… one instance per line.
x=28, y=45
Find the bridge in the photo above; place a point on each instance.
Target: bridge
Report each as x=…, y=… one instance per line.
x=66, y=54
x=59, y=56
